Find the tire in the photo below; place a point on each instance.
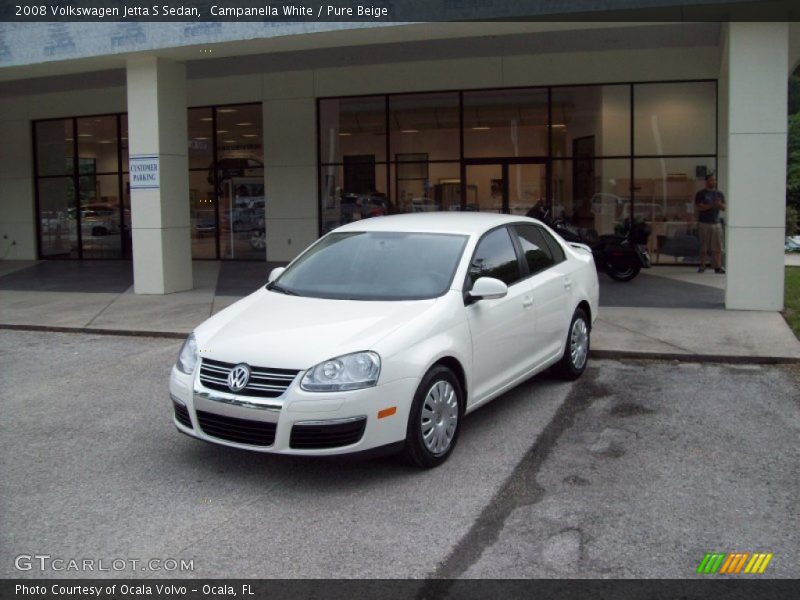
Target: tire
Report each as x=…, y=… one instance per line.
x=622, y=275
x=574, y=360
x=427, y=444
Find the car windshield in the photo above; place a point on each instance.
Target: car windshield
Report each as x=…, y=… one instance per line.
x=375, y=265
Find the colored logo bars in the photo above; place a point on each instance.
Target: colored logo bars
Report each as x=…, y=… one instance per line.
x=734, y=563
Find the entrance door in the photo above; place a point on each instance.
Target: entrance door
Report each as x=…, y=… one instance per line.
x=507, y=187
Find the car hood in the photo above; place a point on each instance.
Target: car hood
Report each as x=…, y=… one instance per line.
x=269, y=329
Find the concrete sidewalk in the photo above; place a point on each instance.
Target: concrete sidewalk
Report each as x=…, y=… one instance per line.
x=672, y=330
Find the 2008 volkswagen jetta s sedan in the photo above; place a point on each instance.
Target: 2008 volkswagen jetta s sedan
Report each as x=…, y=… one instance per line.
x=384, y=333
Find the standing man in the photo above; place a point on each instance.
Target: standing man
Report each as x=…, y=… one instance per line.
x=709, y=202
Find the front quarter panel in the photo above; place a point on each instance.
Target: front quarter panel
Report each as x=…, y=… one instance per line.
x=442, y=331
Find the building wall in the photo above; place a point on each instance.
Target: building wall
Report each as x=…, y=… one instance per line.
x=289, y=104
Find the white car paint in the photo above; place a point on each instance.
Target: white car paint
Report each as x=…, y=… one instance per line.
x=497, y=342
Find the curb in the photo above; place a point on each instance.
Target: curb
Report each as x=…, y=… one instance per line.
x=91, y=330
x=695, y=358
x=594, y=353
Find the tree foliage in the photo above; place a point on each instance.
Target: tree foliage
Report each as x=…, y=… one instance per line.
x=793, y=153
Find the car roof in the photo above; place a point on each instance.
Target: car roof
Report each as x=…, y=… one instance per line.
x=468, y=223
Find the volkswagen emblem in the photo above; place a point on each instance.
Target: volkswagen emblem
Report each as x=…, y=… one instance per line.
x=238, y=377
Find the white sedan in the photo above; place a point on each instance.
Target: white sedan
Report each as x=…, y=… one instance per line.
x=384, y=333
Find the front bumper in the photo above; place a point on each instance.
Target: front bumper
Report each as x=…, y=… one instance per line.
x=333, y=417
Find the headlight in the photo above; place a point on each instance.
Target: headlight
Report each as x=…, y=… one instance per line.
x=348, y=372
x=187, y=359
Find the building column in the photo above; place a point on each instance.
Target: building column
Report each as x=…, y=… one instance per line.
x=290, y=164
x=157, y=127
x=753, y=162
x=17, y=212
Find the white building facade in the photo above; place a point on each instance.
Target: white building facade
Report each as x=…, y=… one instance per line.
x=265, y=140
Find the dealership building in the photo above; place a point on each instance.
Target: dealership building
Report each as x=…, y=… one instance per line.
x=164, y=143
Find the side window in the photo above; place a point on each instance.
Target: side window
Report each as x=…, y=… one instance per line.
x=555, y=248
x=534, y=248
x=495, y=257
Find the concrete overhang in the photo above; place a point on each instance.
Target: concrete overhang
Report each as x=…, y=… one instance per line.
x=360, y=46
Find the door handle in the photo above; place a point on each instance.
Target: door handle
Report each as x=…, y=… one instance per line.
x=567, y=284
x=527, y=302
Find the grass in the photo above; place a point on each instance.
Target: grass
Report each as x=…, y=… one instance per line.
x=791, y=299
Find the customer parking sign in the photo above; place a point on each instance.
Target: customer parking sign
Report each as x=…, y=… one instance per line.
x=144, y=172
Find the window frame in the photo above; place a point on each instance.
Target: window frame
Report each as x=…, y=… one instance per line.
x=521, y=253
x=468, y=280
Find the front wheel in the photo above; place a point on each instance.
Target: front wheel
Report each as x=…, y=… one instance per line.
x=622, y=274
x=576, y=352
x=435, y=419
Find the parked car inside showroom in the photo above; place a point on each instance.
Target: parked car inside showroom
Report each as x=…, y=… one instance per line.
x=384, y=333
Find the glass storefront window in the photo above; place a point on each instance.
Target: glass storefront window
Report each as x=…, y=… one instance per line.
x=592, y=194
x=54, y=147
x=424, y=125
x=352, y=127
x=505, y=123
x=592, y=120
x=201, y=138
x=123, y=143
x=57, y=217
x=351, y=193
x=202, y=215
x=240, y=181
x=97, y=145
x=80, y=215
x=423, y=187
x=675, y=118
x=665, y=191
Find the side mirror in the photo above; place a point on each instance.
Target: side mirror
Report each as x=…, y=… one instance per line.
x=488, y=288
x=275, y=273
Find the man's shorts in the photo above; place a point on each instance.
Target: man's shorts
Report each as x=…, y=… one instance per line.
x=710, y=235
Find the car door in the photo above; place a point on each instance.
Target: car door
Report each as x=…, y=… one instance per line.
x=549, y=286
x=501, y=328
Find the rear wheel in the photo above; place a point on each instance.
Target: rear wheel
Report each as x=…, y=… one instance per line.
x=435, y=419
x=576, y=351
x=622, y=274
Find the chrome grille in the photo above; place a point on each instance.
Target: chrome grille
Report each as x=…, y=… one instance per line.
x=263, y=383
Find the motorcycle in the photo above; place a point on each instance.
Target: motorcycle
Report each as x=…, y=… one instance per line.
x=620, y=256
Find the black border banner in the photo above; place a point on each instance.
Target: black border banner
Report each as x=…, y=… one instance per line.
x=733, y=587
x=393, y=11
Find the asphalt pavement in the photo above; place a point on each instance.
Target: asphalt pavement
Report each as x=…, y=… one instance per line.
x=636, y=470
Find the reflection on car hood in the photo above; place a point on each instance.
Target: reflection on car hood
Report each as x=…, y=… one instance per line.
x=269, y=329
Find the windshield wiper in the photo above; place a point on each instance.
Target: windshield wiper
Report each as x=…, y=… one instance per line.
x=275, y=287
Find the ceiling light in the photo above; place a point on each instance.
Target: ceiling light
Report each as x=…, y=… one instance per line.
x=249, y=135
x=222, y=131
x=226, y=110
x=243, y=124
x=559, y=125
x=481, y=128
x=344, y=134
x=206, y=118
x=85, y=135
x=201, y=138
x=228, y=141
x=409, y=131
x=105, y=142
